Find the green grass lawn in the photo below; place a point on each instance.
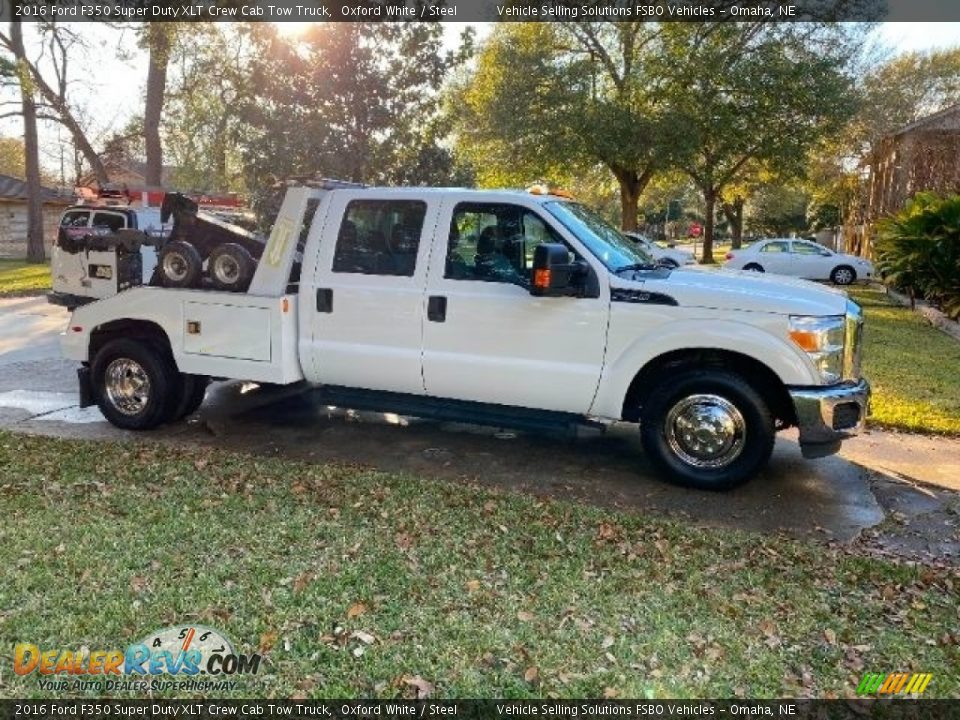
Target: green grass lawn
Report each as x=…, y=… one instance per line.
x=18, y=277
x=913, y=367
x=359, y=583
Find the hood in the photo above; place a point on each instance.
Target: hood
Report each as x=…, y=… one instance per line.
x=716, y=288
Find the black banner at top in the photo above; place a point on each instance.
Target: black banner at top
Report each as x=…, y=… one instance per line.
x=482, y=10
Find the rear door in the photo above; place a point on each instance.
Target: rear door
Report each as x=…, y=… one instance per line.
x=368, y=304
x=775, y=257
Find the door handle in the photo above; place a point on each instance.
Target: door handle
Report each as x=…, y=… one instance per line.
x=325, y=300
x=437, y=308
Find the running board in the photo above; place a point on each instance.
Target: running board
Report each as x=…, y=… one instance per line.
x=464, y=411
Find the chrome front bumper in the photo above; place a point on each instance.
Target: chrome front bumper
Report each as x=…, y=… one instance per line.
x=827, y=415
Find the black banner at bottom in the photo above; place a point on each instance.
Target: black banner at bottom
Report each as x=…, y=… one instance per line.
x=476, y=709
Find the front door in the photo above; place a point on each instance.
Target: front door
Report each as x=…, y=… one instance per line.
x=367, y=306
x=486, y=338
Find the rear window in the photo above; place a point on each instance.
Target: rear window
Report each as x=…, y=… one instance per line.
x=75, y=218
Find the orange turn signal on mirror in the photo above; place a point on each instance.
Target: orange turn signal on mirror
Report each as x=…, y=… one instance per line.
x=806, y=340
x=541, y=278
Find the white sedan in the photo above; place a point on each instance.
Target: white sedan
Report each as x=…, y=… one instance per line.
x=669, y=257
x=800, y=258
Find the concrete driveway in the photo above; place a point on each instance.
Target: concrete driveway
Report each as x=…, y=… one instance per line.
x=900, y=487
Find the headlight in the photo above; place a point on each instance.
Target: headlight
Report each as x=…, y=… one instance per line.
x=822, y=339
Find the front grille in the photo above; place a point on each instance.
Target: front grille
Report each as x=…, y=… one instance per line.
x=846, y=416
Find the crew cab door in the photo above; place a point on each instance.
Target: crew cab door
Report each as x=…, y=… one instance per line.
x=366, y=307
x=486, y=338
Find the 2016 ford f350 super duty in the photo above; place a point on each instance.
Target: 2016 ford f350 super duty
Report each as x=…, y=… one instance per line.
x=499, y=308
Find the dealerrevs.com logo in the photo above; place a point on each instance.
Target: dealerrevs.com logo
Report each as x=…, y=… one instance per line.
x=187, y=652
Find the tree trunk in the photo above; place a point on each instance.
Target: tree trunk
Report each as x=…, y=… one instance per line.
x=36, y=252
x=734, y=214
x=158, y=41
x=632, y=184
x=710, y=203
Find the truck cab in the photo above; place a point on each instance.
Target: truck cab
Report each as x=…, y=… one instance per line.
x=503, y=308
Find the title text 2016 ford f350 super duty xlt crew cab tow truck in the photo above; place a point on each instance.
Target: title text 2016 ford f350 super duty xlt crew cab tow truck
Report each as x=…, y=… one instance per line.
x=499, y=308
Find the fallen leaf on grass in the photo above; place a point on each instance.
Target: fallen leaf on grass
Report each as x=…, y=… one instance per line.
x=267, y=641
x=364, y=637
x=608, y=642
x=422, y=687
x=532, y=675
x=830, y=636
x=138, y=583
x=356, y=610
x=301, y=581
x=524, y=616
x=472, y=585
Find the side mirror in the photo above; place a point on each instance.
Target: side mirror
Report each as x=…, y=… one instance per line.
x=553, y=275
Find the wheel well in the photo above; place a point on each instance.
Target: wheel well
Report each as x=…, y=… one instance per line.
x=764, y=380
x=132, y=329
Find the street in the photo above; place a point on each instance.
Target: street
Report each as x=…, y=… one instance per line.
x=892, y=491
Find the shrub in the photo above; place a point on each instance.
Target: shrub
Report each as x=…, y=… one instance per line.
x=918, y=250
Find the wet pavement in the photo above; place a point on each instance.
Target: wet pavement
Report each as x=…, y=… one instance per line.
x=887, y=492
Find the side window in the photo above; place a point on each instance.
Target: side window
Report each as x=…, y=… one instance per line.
x=802, y=248
x=379, y=237
x=75, y=218
x=494, y=242
x=109, y=221
x=775, y=247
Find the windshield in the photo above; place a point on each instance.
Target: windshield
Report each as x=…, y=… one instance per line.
x=607, y=244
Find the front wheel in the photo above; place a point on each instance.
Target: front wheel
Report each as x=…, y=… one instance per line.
x=707, y=429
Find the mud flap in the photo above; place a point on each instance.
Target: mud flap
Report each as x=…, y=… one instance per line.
x=86, y=387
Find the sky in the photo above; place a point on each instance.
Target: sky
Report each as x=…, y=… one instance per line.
x=116, y=86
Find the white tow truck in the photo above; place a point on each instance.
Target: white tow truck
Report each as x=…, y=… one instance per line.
x=501, y=308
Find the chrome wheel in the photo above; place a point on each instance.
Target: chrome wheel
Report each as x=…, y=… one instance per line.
x=705, y=431
x=226, y=270
x=127, y=386
x=175, y=266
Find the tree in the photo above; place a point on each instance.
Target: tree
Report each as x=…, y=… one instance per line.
x=555, y=99
x=35, y=248
x=158, y=38
x=13, y=157
x=201, y=126
x=356, y=101
x=59, y=43
x=778, y=210
x=758, y=95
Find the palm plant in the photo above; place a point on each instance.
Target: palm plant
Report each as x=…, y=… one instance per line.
x=918, y=250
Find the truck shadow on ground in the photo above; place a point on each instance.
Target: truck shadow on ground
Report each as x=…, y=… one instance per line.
x=830, y=498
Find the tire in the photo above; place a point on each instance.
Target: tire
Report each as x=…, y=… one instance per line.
x=843, y=275
x=728, y=401
x=191, y=397
x=230, y=267
x=133, y=383
x=753, y=267
x=180, y=265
